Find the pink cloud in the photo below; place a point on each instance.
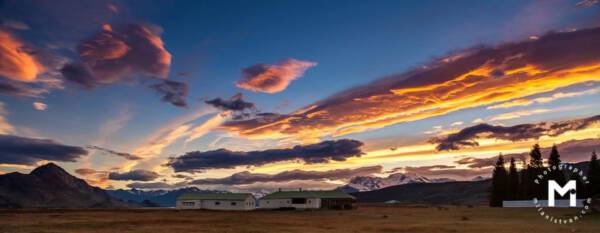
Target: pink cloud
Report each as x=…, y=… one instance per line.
x=269, y=78
x=118, y=53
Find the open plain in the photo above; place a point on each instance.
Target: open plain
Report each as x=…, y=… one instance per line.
x=367, y=218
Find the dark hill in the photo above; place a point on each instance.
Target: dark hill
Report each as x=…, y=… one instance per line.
x=460, y=192
x=49, y=186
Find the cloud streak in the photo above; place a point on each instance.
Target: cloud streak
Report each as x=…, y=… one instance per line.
x=137, y=175
x=476, y=77
x=322, y=152
x=125, y=155
x=467, y=137
x=250, y=178
x=273, y=78
x=542, y=100
x=28, y=151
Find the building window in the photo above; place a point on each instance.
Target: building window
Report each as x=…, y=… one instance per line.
x=217, y=203
x=233, y=203
x=187, y=203
x=267, y=202
x=298, y=201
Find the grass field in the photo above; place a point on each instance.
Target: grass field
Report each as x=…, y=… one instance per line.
x=364, y=219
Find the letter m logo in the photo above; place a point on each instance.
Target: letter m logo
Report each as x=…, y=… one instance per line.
x=554, y=187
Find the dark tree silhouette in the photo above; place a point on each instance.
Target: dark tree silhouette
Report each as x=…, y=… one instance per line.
x=513, y=181
x=531, y=173
x=499, y=183
x=535, y=157
x=593, y=176
x=581, y=189
x=554, y=163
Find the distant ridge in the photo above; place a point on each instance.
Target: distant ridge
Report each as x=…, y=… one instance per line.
x=50, y=186
x=457, y=192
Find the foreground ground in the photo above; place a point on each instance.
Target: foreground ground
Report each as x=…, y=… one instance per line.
x=364, y=219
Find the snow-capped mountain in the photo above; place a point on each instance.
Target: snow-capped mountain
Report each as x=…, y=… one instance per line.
x=368, y=183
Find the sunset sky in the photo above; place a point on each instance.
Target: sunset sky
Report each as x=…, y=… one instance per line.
x=247, y=95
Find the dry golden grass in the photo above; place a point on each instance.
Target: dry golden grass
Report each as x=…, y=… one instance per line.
x=427, y=219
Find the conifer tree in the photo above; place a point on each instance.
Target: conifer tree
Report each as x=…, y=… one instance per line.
x=499, y=183
x=554, y=162
x=532, y=172
x=580, y=187
x=513, y=181
x=593, y=176
x=535, y=157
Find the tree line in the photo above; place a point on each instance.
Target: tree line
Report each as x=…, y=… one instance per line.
x=520, y=184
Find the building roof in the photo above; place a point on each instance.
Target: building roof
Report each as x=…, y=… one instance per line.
x=307, y=194
x=214, y=196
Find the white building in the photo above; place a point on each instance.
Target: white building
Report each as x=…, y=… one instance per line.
x=307, y=200
x=216, y=201
x=559, y=203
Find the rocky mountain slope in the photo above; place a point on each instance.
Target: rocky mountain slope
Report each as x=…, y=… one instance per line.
x=49, y=186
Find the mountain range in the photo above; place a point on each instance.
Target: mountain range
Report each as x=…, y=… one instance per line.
x=49, y=186
x=162, y=198
x=370, y=183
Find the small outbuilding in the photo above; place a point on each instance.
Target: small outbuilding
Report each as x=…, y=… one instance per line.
x=216, y=201
x=307, y=200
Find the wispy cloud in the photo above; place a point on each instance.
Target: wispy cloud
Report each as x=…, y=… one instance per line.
x=519, y=114
x=5, y=126
x=250, y=178
x=125, y=155
x=322, y=152
x=169, y=133
x=541, y=100
x=138, y=174
x=586, y=3
x=207, y=126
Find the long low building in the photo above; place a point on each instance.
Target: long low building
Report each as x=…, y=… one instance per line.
x=307, y=200
x=217, y=201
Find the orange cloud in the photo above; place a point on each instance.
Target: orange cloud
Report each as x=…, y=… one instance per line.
x=273, y=78
x=15, y=62
x=478, y=77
